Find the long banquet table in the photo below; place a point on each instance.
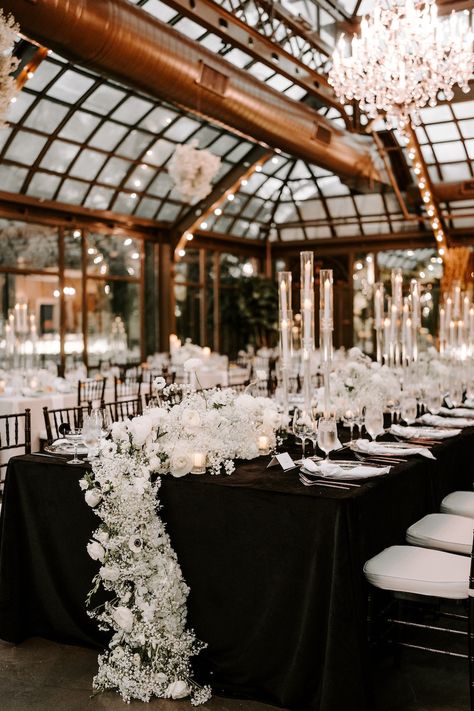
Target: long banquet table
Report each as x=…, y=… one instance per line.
x=274, y=568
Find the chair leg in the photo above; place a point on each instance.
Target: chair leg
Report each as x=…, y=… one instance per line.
x=471, y=651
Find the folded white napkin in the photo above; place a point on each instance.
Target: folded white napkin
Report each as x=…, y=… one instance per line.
x=437, y=421
x=457, y=412
x=423, y=432
x=364, y=445
x=334, y=470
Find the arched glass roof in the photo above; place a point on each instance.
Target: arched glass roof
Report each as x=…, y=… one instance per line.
x=80, y=139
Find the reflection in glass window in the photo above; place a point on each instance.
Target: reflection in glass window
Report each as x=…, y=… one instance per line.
x=113, y=310
x=24, y=245
x=113, y=255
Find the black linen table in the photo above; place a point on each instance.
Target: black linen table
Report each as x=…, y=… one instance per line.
x=274, y=568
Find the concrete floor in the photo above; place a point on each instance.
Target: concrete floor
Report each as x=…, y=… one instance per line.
x=39, y=675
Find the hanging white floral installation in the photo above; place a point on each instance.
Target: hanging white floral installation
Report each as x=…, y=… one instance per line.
x=192, y=170
x=8, y=31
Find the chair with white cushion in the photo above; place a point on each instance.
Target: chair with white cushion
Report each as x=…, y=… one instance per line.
x=460, y=503
x=443, y=531
x=425, y=573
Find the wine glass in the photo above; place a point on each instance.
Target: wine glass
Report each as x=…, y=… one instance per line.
x=302, y=427
x=313, y=435
x=433, y=402
x=408, y=409
x=74, y=435
x=374, y=420
x=455, y=392
x=327, y=435
x=349, y=419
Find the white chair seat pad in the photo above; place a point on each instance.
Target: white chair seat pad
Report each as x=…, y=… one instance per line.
x=460, y=503
x=443, y=531
x=421, y=571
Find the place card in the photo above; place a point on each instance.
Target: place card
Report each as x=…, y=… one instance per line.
x=284, y=460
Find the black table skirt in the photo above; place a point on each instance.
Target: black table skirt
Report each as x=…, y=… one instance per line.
x=275, y=569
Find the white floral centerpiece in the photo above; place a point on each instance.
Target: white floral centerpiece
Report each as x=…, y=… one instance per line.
x=150, y=650
x=192, y=170
x=8, y=63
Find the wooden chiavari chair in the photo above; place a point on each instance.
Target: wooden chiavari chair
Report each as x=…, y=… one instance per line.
x=53, y=419
x=90, y=390
x=124, y=409
x=128, y=387
x=15, y=434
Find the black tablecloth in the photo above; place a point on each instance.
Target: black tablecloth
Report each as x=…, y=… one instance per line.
x=275, y=569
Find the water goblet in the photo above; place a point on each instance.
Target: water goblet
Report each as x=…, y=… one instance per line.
x=302, y=428
x=327, y=435
x=74, y=435
x=374, y=420
x=433, y=402
x=408, y=409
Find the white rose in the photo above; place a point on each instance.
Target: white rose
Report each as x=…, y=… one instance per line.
x=96, y=551
x=157, y=415
x=119, y=431
x=83, y=484
x=190, y=419
x=101, y=536
x=92, y=497
x=123, y=618
x=109, y=573
x=140, y=428
x=192, y=364
x=271, y=419
x=180, y=464
x=178, y=690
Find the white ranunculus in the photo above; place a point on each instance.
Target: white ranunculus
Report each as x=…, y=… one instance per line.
x=190, y=419
x=96, y=551
x=135, y=543
x=192, y=364
x=178, y=690
x=92, y=497
x=159, y=383
x=140, y=428
x=180, y=464
x=123, y=618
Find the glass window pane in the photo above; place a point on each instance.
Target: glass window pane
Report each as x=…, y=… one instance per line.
x=113, y=321
x=25, y=147
x=59, y=155
x=134, y=145
x=43, y=185
x=158, y=119
x=108, y=135
x=467, y=128
x=110, y=254
x=442, y=132
x=16, y=109
x=132, y=110
x=73, y=191
x=99, y=198
x=169, y=212
x=114, y=171
x=456, y=171
x=12, y=178
x=125, y=203
x=182, y=129
x=70, y=86
x=79, y=126
x=43, y=75
x=88, y=164
x=159, y=152
x=103, y=99
x=25, y=245
x=148, y=208
x=46, y=116
x=449, y=152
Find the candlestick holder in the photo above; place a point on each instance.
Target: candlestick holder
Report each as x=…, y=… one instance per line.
x=307, y=323
x=379, y=292
x=325, y=331
x=285, y=328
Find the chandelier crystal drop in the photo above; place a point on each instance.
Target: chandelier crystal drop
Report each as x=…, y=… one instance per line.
x=404, y=56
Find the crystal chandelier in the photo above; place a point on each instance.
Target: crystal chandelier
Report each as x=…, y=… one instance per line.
x=404, y=56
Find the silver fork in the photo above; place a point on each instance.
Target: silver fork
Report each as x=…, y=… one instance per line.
x=330, y=482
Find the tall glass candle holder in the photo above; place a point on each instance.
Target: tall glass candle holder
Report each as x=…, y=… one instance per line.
x=326, y=326
x=415, y=314
x=285, y=327
x=379, y=293
x=307, y=323
x=442, y=330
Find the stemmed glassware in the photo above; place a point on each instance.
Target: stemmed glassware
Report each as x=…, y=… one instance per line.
x=373, y=420
x=327, y=435
x=455, y=391
x=409, y=409
x=91, y=433
x=349, y=419
x=74, y=435
x=302, y=426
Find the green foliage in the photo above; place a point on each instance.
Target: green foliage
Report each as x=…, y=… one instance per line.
x=249, y=313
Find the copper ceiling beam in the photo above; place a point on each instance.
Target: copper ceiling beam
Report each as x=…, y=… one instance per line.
x=236, y=32
x=122, y=41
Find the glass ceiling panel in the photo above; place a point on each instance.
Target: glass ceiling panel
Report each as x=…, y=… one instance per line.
x=70, y=86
